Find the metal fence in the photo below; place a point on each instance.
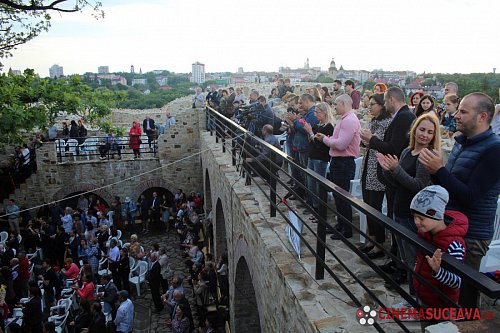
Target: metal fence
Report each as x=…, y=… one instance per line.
x=240, y=143
x=104, y=147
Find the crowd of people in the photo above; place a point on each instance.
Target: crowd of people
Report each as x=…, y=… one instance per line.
x=82, y=250
x=403, y=162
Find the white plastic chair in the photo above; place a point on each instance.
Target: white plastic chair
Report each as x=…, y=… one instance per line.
x=118, y=234
x=4, y=235
x=140, y=278
x=89, y=147
x=59, y=321
x=133, y=263
x=144, y=144
x=60, y=148
x=496, y=233
x=356, y=190
x=103, y=265
x=72, y=147
x=19, y=238
x=358, y=161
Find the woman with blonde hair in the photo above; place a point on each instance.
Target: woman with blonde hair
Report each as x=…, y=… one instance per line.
x=408, y=176
x=318, y=151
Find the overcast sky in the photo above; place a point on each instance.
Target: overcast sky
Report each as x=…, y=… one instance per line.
x=444, y=36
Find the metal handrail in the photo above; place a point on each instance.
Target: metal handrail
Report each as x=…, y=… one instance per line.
x=90, y=146
x=224, y=126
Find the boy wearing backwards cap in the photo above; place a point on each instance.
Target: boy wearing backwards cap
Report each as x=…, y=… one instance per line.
x=444, y=229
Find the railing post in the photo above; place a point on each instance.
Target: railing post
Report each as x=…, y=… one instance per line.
x=272, y=186
x=321, y=231
x=223, y=137
x=233, y=146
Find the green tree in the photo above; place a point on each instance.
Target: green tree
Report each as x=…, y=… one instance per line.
x=23, y=20
x=322, y=78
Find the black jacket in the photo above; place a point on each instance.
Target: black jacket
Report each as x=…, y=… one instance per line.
x=154, y=277
x=145, y=124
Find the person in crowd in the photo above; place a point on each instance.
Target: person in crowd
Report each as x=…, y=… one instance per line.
x=72, y=246
x=129, y=212
x=451, y=103
x=70, y=270
x=198, y=99
x=125, y=315
x=426, y=105
x=471, y=178
x=81, y=251
x=114, y=260
x=365, y=101
x=179, y=322
x=200, y=289
x=98, y=321
x=181, y=300
x=67, y=220
x=82, y=131
x=155, y=211
x=82, y=319
x=12, y=210
x=301, y=137
x=394, y=141
x=318, y=152
x=353, y=93
x=24, y=273
x=65, y=130
x=344, y=148
x=315, y=92
x=168, y=298
x=136, y=251
x=148, y=127
x=87, y=291
x=73, y=130
x=83, y=203
x=154, y=279
x=92, y=253
x=379, y=88
x=337, y=89
x=285, y=88
x=165, y=212
x=32, y=312
x=451, y=88
x=170, y=121
x=50, y=282
x=135, y=139
x=124, y=269
x=261, y=164
x=408, y=176
x=414, y=100
x=166, y=271
x=445, y=229
x=373, y=190
x=144, y=210
x=109, y=296
x=495, y=123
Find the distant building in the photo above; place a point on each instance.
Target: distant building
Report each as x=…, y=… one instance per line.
x=115, y=79
x=162, y=80
x=132, y=70
x=103, y=70
x=15, y=71
x=56, y=71
x=198, y=73
x=240, y=70
x=138, y=81
x=332, y=70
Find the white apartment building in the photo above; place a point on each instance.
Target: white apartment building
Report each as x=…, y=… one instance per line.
x=198, y=73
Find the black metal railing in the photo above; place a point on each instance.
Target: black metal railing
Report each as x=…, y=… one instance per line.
x=105, y=148
x=242, y=144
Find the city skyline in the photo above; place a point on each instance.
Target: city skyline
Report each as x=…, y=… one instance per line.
x=445, y=36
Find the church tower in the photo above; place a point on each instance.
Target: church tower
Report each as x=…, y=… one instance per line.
x=332, y=70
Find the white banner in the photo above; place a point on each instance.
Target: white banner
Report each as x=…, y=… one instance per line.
x=291, y=234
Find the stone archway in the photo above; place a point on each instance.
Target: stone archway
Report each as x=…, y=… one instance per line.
x=155, y=182
x=246, y=309
x=65, y=191
x=208, y=192
x=220, y=230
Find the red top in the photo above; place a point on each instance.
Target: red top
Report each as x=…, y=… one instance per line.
x=134, y=134
x=24, y=268
x=72, y=271
x=87, y=291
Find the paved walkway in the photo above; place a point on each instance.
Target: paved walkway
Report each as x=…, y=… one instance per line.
x=145, y=319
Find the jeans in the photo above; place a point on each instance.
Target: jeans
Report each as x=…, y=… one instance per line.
x=407, y=252
x=476, y=250
x=302, y=158
x=342, y=171
x=374, y=199
x=319, y=167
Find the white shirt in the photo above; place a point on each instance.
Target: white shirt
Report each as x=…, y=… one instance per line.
x=114, y=254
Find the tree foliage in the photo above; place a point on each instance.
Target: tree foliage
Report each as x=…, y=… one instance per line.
x=488, y=83
x=23, y=20
x=28, y=102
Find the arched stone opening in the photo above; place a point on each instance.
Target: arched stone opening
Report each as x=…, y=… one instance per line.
x=160, y=191
x=246, y=310
x=71, y=200
x=208, y=192
x=78, y=188
x=220, y=230
x=158, y=183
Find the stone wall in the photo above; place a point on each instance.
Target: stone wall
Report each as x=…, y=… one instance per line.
x=275, y=277
x=178, y=166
